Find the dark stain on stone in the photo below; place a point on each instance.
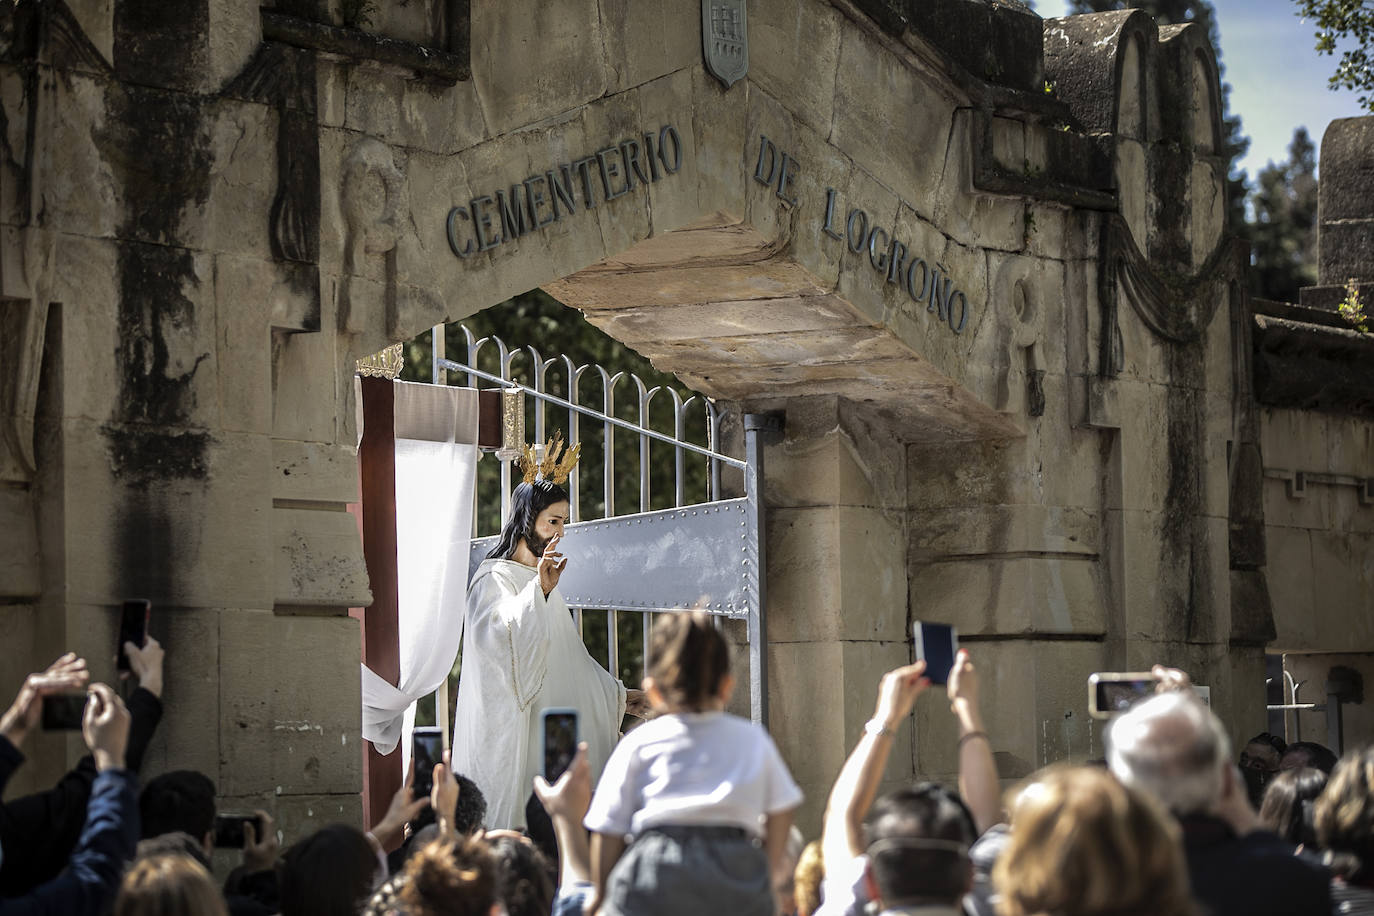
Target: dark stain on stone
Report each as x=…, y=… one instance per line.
x=1187, y=605
x=155, y=140
x=157, y=43
x=145, y=548
x=141, y=456
x=157, y=145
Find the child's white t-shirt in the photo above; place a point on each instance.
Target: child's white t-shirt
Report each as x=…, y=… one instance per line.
x=692, y=768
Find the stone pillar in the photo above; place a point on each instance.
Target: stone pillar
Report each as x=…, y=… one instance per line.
x=1012, y=556
x=1345, y=214
x=836, y=593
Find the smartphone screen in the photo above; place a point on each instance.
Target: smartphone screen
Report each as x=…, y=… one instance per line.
x=560, y=741
x=62, y=712
x=229, y=832
x=1112, y=693
x=133, y=627
x=936, y=645
x=426, y=750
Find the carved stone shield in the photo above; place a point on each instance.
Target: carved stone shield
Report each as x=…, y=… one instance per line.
x=725, y=39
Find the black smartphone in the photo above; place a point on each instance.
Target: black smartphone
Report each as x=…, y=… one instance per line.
x=1113, y=692
x=936, y=644
x=133, y=627
x=62, y=712
x=426, y=749
x=560, y=741
x=229, y=832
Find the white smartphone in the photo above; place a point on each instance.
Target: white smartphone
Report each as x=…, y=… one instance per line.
x=1113, y=692
x=936, y=645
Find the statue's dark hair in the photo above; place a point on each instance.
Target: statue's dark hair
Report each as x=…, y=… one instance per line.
x=528, y=500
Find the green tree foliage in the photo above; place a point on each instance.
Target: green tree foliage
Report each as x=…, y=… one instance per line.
x=1284, y=228
x=1345, y=19
x=1233, y=142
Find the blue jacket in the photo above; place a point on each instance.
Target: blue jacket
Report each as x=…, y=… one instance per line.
x=39, y=832
x=89, y=884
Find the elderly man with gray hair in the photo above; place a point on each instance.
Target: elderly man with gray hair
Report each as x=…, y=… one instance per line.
x=1175, y=748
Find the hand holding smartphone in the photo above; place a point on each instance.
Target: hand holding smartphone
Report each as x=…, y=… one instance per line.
x=133, y=627
x=229, y=832
x=1114, y=692
x=63, y=712
x=426, y=750
x=560, y=741
x=936, y=644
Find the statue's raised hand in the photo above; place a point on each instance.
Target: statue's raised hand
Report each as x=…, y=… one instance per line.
x=551, y=565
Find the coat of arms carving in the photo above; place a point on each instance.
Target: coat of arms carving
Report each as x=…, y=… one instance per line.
x=725, y=39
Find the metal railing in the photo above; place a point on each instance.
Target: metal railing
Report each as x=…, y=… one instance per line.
x=547, y=405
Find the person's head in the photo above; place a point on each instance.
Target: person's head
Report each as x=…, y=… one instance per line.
x=332, y=872
x=175, y=843
x=1308, y=754
x=1345, y=816
x=1258, y=762
x=450, y=877
x=1083, y=844
x=168, y=884
x=522, y=877
x=918, y=841
x=471, y=813
x=181, y=800
x=1262, y=752
x=538, y=511
x=807, y=878
x=469, y=816
x=1289, y=805
x=689, y=664
x=1173, y=747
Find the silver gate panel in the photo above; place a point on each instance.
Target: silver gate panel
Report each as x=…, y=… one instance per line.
x=695, y=556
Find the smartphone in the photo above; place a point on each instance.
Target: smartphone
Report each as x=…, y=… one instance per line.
x=229, y=833
x=560, y=741
x=62, y=712
x=1114, y=692
x=426, y=749
x=936, y=644
x=133, y=627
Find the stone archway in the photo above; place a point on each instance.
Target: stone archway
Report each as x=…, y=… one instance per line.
x=262, y=197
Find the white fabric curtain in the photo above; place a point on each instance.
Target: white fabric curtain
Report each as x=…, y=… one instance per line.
x=436, y=467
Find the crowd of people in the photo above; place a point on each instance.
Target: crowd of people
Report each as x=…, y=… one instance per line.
x=692, y=815
x=691, y=811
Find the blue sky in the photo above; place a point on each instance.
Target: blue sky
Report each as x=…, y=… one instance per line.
x=1278, y=82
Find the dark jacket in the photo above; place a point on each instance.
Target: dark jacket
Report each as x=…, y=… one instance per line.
x=39, y=831
x=107, y=842
x=1253, y=875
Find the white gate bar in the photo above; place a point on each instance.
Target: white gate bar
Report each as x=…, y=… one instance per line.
x=606, y=418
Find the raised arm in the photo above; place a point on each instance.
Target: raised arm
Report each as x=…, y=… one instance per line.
x=567, y=801
x=977, y=769
x=857, y=784
x=111, y=828
x=509, y=622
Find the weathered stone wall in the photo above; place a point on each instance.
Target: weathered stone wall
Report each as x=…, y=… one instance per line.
x=208, y=217
x=1319, y=515
x=1315, y=380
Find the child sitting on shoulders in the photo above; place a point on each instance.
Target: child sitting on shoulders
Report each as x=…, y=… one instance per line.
x=704, y=794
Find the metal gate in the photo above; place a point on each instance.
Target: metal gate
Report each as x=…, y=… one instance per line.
x=706, y=555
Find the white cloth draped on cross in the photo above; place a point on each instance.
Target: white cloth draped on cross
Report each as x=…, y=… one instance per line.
x=436, y=462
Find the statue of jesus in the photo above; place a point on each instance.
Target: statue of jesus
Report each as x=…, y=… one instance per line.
x=522, y=653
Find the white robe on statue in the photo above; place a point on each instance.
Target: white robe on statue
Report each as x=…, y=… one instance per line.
x=522, y=654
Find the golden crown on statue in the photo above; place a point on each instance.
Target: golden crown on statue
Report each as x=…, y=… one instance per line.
x=556, y=464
